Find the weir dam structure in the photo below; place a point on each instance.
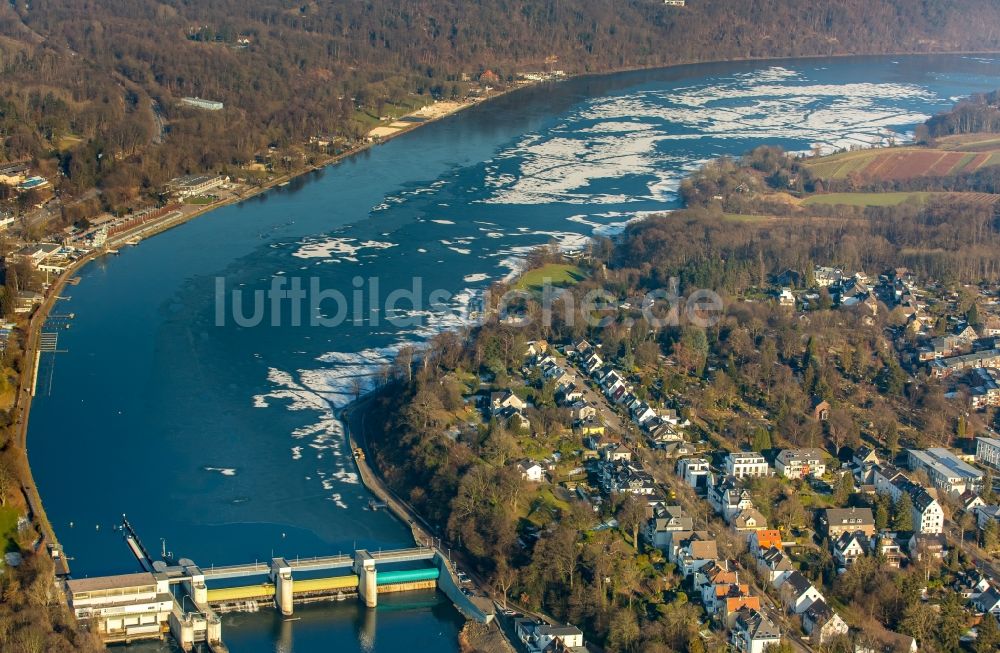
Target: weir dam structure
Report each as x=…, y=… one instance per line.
x=186, y=600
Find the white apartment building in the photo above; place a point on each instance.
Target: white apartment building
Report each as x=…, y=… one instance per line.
x=988, y=452
x=799, y=463
x=746, y=463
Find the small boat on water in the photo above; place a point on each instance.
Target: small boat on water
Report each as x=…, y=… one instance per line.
x=283, y=184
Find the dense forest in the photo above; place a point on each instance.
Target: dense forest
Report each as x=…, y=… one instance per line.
x=979, y=113
x=91, y=87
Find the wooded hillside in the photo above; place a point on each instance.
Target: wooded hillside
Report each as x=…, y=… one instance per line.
x=97, y=82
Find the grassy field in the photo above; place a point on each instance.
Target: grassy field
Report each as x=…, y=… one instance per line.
x=8, y=528
x=201, y=200
x=559, y=275
x=866, y=199
x=393, y=111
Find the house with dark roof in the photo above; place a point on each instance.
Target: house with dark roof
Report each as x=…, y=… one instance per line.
x=988, y=602
x=753, y=632
x=849, y=547
x=821, y=623
x=797, y=593
x=836, y=521
x=775, y=566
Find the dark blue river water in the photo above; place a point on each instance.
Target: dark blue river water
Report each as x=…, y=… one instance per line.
x=221, y=438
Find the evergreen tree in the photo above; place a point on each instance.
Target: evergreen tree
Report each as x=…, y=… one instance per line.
x=844, y=489
x=989, y=636
x=761, y=439
x=902, y=515
x=990, y=536
x=951, y=623
x=882, y=512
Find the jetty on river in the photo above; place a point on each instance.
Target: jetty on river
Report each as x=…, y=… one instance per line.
x=186, y=600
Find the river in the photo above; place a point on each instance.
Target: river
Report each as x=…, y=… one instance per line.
x=218, y=435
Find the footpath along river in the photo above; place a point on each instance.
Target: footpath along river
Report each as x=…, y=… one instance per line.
x=220, y=437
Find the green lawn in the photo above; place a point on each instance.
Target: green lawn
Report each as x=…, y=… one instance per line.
x=200, y=200
x=8, y=527
x=865, y=199
x=558, y=275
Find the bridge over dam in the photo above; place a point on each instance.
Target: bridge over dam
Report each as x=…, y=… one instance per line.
x=152, y=603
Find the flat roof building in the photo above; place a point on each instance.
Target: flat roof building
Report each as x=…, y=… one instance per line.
x=123, y=607
x=988, y=452
x=945, y=471
x=198, y=103
x=194, y=185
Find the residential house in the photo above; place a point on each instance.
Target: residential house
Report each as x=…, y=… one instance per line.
x=513, y=418
x=666, y=520
x=749, y=520
x=926, y=512
x=582, y=411
x=836, y=521
x=694, y=552
x=727, y=497
x=530, y=470
x=986, y=514
x=616, y=452
x=970, y=501
x=889, y=546
x=988, y=602
x=821, y=623
x=945, y=367
x=592, y=363
x=775, y=566
x=864, y=455
x=826, y=276
x=763, y=539
x=737, y=598
x=694, y=471
x=538, y=637
x=932, y=544
x=849, y=547
x=799, y=463
x=753, y=632
x=971, y=584
x=506, y=399
x=746, y=463
x=797, y=593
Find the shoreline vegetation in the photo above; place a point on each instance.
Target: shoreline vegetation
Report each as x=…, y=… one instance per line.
x=21, y=409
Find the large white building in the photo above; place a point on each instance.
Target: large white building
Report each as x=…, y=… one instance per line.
x=120, y=608
x=928, y=517
x=694, y=471
x=945, y=471
x=988, y=452
x=799, y=463
x=746, y=463
x=194, y=185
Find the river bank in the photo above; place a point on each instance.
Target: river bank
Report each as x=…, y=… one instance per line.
x=26, y=378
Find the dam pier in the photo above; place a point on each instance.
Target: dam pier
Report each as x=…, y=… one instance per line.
x=186, y=600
